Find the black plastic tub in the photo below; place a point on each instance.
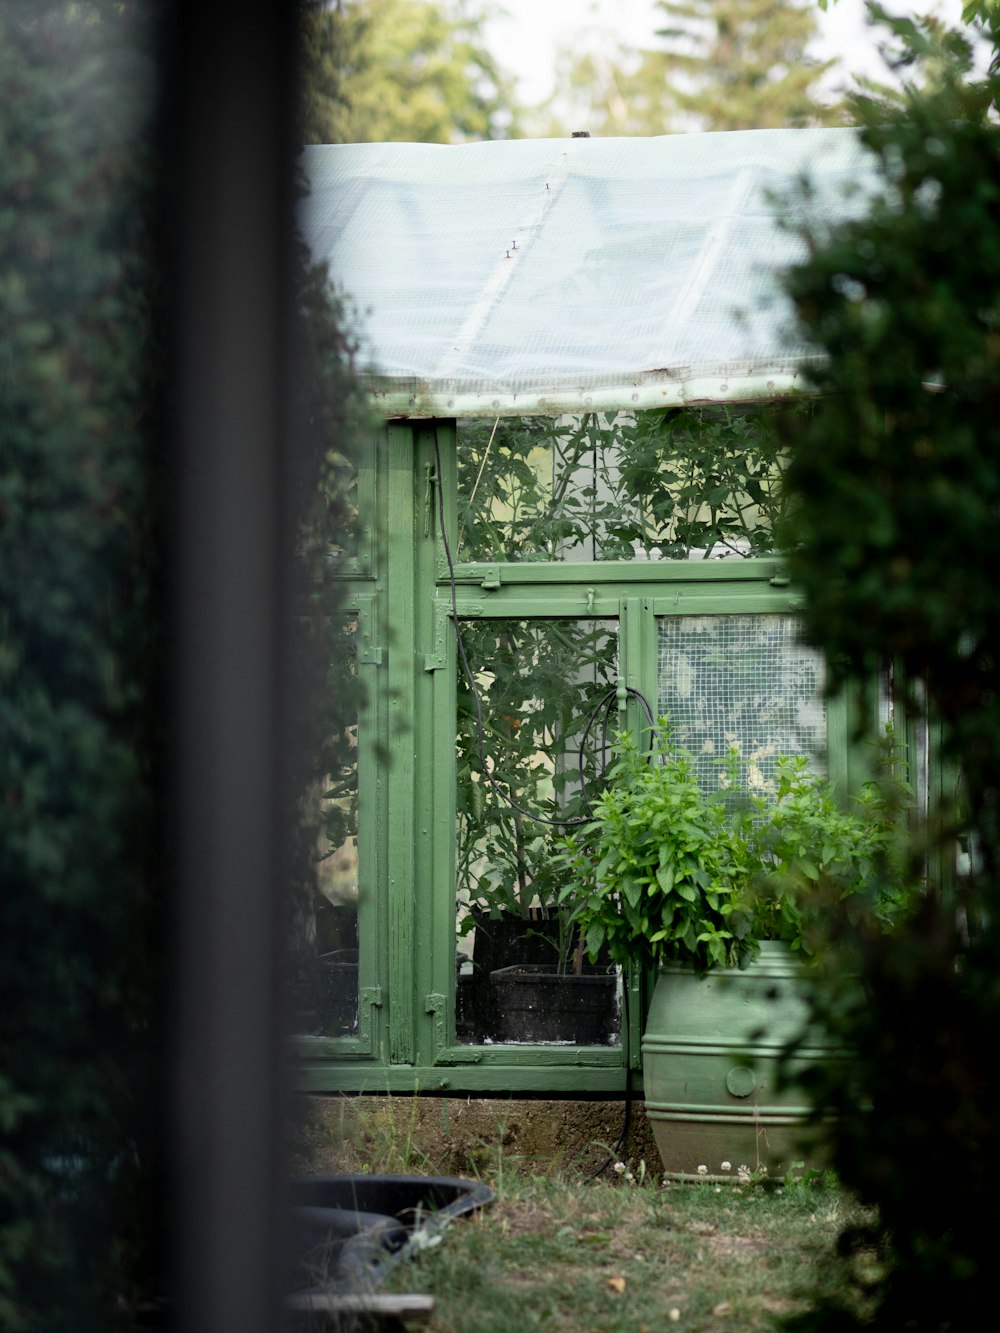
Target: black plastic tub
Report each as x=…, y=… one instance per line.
x=350, y=1231
x=535, y=1003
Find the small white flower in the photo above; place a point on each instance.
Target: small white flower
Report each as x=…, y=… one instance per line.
x=619, y=1167
x=727, y=1166
x=718, y=1189
x=424, y=1240
x=703, y=1170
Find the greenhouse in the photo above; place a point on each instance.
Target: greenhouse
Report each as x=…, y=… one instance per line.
x=587, y=373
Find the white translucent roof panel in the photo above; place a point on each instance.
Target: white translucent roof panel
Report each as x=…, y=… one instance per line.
x=537, y=276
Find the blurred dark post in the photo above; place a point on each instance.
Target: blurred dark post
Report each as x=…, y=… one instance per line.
x=228, y=117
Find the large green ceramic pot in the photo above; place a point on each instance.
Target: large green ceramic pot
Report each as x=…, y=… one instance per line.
x=710, y=1053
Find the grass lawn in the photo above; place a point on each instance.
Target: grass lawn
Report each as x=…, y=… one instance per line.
x=619, y=1252
x=617, y=1258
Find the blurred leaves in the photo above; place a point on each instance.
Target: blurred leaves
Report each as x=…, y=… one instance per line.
x=708, y=65
x=80, y=641
x=894, y=495
x=411, y=71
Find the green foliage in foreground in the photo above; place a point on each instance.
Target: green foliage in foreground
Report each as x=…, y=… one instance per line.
x=898, y=476
x=82, y=750
x=79, y=638
x=896, y=482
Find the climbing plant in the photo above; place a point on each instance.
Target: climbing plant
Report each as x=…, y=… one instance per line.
x=682, y=484
x=686, y=483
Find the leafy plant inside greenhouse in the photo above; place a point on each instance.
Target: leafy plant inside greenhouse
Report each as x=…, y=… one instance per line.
x=532, y=739
x=682, y=484
x=670, y=868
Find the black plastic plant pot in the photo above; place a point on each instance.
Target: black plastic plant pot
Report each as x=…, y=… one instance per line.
x=351, y=1230
x=501, y=941
x=337, y=992
x=535, y=1003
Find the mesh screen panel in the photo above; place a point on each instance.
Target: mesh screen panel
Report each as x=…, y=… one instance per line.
x=743, y=681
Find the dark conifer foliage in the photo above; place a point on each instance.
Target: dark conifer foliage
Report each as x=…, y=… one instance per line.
x=894, y=493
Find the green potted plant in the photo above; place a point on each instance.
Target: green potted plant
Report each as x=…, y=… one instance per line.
x=529, y=980
x=536, y=983
x=724, y=892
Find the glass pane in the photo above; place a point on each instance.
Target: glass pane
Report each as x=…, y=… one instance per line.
x=691, y=483
x=326, y=993
x=523, y=750
x=341, y=525
x=744, y=682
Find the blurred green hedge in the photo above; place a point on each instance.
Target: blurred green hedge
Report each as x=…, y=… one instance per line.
x=79, y=640
x=894, y=497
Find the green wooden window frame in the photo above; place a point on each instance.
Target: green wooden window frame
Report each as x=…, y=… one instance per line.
x=405, y=594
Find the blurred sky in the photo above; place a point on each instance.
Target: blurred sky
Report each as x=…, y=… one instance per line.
x=526, y=38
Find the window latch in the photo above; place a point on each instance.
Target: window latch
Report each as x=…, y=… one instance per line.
x=430, y=480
